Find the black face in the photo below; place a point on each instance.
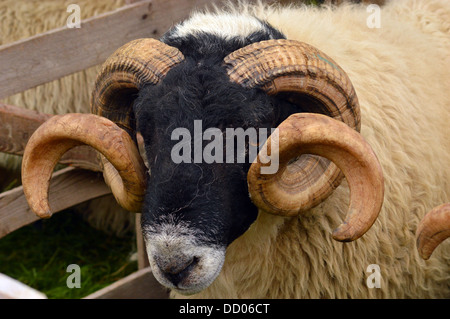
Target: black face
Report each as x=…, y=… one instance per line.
x=193, y=210
x=204, y=193
x=199, y=89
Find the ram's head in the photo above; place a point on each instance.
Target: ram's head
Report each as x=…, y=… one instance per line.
x=192, y=210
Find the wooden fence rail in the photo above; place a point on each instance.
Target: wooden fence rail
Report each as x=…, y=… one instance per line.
x=60, y=52
x=18, y=124
x=68, y=187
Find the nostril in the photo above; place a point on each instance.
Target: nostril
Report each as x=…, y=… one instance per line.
x=177, y=270
x=178, y=267
x=192, y=264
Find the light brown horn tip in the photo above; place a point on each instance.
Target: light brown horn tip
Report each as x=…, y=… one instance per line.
x=345, y=233
x=46, y=214
x=433, y=229
x=40, y=208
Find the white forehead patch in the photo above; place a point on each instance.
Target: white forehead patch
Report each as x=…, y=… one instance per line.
x=224, y=25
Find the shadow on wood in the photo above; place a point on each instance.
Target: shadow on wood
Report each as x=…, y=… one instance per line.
x=139, y=285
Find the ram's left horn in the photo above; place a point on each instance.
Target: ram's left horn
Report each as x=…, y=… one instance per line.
x=63, y=132
x=433, y=229
x=309, y=133
x=308, y=78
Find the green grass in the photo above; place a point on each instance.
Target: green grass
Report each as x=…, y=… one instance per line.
x=38, y=255
x=314, y=2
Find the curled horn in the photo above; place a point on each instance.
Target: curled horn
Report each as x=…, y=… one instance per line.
x=62, y=132
x=310, y=79
x=309, y=133
x=139, y=62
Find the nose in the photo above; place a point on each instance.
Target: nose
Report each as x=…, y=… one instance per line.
x=176, y=270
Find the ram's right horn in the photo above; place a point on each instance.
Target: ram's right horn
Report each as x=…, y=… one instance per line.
x=62, y=132
x=111, y=131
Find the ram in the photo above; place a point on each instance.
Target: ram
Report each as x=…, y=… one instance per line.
x=346, y=99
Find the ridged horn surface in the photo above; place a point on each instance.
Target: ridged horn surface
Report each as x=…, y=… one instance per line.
x=139, y=62
x=62, y=132
x=310, y=79
x=321, y=135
